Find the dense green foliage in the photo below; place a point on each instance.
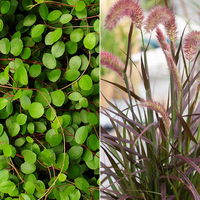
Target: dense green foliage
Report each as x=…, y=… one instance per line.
x=49, y=80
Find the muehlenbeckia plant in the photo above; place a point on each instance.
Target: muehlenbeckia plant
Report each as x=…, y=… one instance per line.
x=155, y=152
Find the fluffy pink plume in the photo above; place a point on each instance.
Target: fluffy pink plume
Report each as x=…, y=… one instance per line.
x=162, y=40
x=112, y=62
x=159, y=108
x=162, y=15
x=191, y=44
x=122, y=8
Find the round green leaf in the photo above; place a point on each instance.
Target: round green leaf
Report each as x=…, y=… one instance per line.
x=37, y=30
x=75, y=62
x=36, y=110
x=75, y=152
x=16, y=46
x=5, y=7
x=29, y=156
x=26, y=53
x=80, y=5
x=58, y=98
x=7, y=186
x=75, y=96
x=35, y=70
x=83, y=102
x=49, y=60
x=93, y=142
x=65, y=18
x=25, y=102
x=3, y=103
x=62, y=177
x=53, y=137
x=58, y=49
x=71, y=47
x=27, y=168
x=81, y=183
x=43, y=11
x=76, y=35
x=54, y=75
x=47, y=156
x=54, y=15
x=4, y=46
x=29, y=20
x=53, y=36
x=72, y=74
x=21, y=119
x=85, y=82
x=90, y=41
x=81, y=134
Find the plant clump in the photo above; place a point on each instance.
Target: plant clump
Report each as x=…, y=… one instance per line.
x=49, y=80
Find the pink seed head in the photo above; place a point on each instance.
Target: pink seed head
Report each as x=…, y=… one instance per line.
x=159, y=108
x=164, y=16
x=112, y=62
x=122, y=8
x=162, y=40
x=191, y=44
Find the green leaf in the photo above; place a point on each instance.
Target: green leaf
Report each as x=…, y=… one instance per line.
x=81, y=134
x=27, y=168
x=75, y=152
x=76, y=35
x=4, y=175
x=7, y=151
x=71, y=47
x=93, y=142
x=31, y=127
x=4, y=46
x=25, y=102
x=1, y=25
x=49, y=60
x=51, y=114
x=81, y=14
x=5, y=7
x=37, y=30
x=7, y=187
x=26, y=53
x=36, y=110
x=53, y=36
x=29, y=20
x=54, y=15
x=96, y=25
x=1, y=129
x=58, y=49
x=62, y=162
x=21, y=119
x=72, y=74
x=74, y=96
x=75, y=62
x=53, y=137
x=58, y=98
x=3, y=103
x=29, y=156
x=43, y=97
x=62, y=177
x=83, y=102
x=47, y=156
x=81, y=183
x=90, y=41
x=80, y=5
x=35, y=70
x=16, y=46
x=43, y=11
x=94, y=163
x=29, y=187
x=85, y=83
x=54, y=75
x=21, y=75
x=65, y=18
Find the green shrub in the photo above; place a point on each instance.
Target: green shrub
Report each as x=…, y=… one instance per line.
x=49, y=80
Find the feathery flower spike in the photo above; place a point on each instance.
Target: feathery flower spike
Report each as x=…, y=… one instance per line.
x=159, y=108
x=162, y=40
x=112, y=62
x=162, y=15
x=191, y=44
x=122, y=8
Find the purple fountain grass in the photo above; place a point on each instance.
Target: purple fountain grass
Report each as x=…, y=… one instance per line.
x=112, y=62
x=170, y=61
x=159, y=108
x=191, y=44
x=162, y=15
x=122, y=8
